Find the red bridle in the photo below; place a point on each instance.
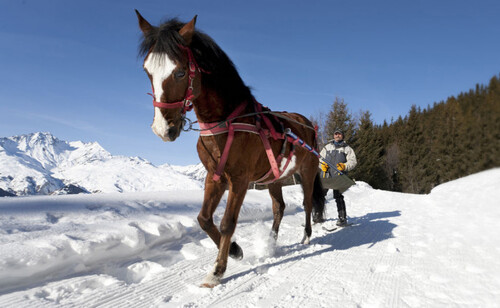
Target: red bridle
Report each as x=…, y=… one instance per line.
x=187, y=103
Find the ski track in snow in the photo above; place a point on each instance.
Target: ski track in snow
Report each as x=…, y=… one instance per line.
x=402, y=250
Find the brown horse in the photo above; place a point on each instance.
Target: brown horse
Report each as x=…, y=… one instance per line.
x=188, y=70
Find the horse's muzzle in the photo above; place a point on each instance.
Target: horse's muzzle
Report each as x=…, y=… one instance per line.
x=168, y=135
x=173, y=133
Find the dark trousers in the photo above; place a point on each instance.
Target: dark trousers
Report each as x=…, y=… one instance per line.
x=339, y=199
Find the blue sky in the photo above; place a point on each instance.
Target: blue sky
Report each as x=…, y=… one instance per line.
x=71, y=67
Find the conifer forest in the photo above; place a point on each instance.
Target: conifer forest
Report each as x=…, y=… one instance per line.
x=427, y=147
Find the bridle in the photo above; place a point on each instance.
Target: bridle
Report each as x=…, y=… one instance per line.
x=187, y=103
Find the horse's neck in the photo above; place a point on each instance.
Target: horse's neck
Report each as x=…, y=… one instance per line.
x=213, y=107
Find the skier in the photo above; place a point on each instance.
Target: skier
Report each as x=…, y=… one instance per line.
x=338, y=153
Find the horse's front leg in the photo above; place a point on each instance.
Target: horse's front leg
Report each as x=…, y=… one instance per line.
x=213, y=194
x=235, y=198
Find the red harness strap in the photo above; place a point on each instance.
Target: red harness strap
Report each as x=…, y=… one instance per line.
x=225, y=154
x=272, y=131
x=278, y=160
x=217, y=128
x=214, y=129
x=270, y=154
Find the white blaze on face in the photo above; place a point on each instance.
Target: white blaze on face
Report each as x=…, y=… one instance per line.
x=159, y=67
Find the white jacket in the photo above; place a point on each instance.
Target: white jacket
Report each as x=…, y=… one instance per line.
x=341, y=153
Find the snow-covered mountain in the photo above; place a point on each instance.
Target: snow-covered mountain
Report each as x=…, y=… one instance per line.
x=41, y=164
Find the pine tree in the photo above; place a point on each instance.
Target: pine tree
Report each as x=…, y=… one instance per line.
x=413, y=153
x=319, y=121
x=340, y=117
x=491, y=148
x=369, y=151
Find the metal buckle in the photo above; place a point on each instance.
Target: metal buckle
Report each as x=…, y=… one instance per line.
x=192, y=67
x=188, y=122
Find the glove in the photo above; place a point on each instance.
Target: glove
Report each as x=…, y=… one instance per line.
x=341, y=166
x=324, y=167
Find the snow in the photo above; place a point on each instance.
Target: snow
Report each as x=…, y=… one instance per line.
x=145, y=249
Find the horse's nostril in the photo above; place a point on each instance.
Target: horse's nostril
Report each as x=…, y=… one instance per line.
x=172, y=133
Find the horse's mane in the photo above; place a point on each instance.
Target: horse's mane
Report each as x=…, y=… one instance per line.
x=209, y=56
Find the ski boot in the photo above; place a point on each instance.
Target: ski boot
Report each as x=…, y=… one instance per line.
x=342, y=222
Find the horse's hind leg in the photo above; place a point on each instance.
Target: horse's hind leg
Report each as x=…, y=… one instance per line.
x=307, y=175
x=278, y=207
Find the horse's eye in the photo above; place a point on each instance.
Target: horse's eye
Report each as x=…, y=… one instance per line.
x=179, y=74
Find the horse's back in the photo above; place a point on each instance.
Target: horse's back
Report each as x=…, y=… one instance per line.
x=301, y=126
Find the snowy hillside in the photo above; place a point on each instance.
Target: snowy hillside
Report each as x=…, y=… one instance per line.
x=40, y=164
x=147, y=250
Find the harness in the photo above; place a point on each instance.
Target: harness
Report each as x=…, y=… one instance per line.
x=230, y=127
x=265, y=131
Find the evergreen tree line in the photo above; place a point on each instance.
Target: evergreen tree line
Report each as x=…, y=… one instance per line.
x=443, y=142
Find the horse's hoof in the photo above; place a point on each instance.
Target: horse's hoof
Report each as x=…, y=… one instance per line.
x=306, y=240
x=207, y=285
x=235, y=251
x=274, y=235
x=210, y=281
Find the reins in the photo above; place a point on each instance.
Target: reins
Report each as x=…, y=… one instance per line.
x=222, y=123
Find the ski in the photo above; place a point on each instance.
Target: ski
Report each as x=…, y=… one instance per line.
x=330, y=230
x=338, y=227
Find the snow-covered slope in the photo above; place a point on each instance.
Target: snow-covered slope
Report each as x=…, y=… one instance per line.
x=147, y=250
x=196, y=172
x=39, y=163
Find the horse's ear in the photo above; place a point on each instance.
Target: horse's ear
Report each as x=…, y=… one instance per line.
x=143, y=23
x=188, y=30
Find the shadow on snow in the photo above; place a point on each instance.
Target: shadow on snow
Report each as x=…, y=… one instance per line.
x=371, y=229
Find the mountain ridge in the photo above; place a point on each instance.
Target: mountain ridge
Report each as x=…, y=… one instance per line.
x=41, y=164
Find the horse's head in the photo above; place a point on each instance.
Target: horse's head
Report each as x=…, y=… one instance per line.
x=170, y=65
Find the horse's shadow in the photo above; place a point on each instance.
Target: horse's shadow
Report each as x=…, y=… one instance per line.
x=371, y=229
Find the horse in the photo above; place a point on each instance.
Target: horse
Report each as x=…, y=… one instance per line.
x=241, y=142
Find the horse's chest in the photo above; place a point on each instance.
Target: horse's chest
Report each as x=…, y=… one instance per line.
x=210, y=150
x=245, y=150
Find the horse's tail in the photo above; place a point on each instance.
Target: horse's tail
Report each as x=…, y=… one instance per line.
x=318, y=211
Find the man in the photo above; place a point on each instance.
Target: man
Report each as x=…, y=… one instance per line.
x=339, y=154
